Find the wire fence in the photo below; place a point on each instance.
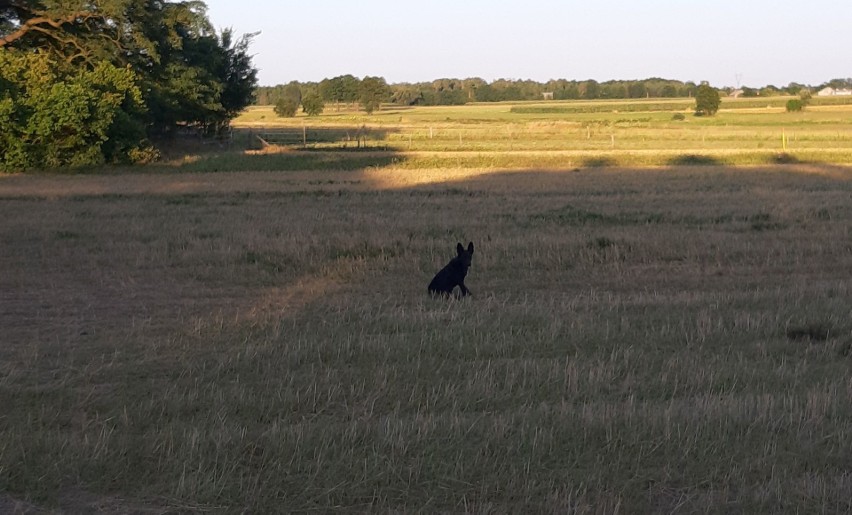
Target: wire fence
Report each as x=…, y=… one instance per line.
x=636, y=135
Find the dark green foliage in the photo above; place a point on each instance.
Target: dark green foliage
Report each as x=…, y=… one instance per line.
x=114, y=70
x=448, y=91
x=53, y=114
x=799, y=104
x=707, y=100
x=344, y=88
x=313, y=104
x=237, y=72
x=373, y=91
x=289, y=100
x=637, y=90
x=292, y=92
x=286, y=107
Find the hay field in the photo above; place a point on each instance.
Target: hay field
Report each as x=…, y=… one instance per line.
x=654, y=132
x=671, y=339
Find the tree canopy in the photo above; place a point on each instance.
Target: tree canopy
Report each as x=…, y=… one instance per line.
x=347, y=89
x=139, y=68
x=707, y=100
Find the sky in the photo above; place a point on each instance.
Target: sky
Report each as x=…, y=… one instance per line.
x=737, y=43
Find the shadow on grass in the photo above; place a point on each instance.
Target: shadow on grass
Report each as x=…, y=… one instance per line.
x=781, y=158
x=599, y=162
x=306, y=138
x=694, y=160
x=292, y=161
x=785, y=159
x=291, y=149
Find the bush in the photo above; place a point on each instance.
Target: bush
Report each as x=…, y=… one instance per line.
x=678, y=117
x=794, y=105
x=312, y=104
x=286, y=107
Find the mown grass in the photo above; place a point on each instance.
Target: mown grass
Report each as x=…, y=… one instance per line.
x=668, y=340
x=652, y=132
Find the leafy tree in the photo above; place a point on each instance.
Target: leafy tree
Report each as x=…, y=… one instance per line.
x=406, y=94
x=669, y=91
x=293, y=93
x=486, y=93
x=373, y=91
x=54, y=114
x=637, y=90
x=569, y=92
x=592, y=90
x=769, y=91
x=289, y=100
x=342, y=89
x=707, y=100
x=799, y=104
x=313, y=104
x=76, y=31
x=187, y=73
x=794, y=105
x=794, y=88
x=238, y=74
x=839, y=83
x=286, y=107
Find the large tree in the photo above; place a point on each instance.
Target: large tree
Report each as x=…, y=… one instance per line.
x=374, y=91
x=53, y=114
x=341, y=89
x=186, y=72
x=707, y=100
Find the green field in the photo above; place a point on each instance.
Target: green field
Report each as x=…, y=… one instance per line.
x=568, y=134
x=547, y=135
x=250, y=332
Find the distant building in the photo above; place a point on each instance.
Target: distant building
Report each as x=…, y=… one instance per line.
x=833, y=92
x=547, y=95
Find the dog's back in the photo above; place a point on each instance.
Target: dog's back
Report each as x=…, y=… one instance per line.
x=454, y=273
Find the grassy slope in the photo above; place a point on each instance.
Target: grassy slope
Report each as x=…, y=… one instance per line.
x=639, y=340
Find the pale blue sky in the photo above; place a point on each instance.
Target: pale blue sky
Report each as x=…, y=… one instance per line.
x=758, y=41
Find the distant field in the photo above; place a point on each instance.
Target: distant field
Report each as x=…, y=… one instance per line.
x=566, y=134
x=660, y=340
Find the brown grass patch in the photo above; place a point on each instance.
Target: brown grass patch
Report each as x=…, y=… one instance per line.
x=264, y=342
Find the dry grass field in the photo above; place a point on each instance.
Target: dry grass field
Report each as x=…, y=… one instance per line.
x=671, y=340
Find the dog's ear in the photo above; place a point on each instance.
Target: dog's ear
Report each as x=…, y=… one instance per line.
x=459, y=248
x=470, y=248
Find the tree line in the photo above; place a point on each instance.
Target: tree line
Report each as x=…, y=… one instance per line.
x=97, y=81
x=347, y=89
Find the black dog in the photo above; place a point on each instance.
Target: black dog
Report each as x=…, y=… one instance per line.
x=454, y=273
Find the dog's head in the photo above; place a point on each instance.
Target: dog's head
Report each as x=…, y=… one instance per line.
x=465, y=256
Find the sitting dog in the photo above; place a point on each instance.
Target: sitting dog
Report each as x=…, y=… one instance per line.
x=453, y=274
